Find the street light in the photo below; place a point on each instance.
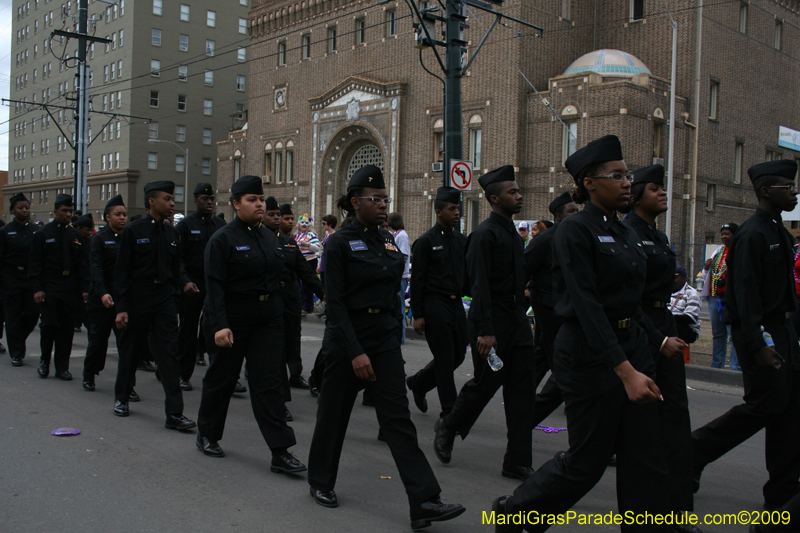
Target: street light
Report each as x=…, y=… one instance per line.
x=670, y=184
x=185, y=171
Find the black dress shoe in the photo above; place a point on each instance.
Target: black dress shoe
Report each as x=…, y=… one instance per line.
x=366, y=399
x=65, y=375
x=201, y=360
x=325, y=499
x=44, y=369
x=419, y=398
x=209, y=447
x=88, y=383
x=133, y=397
x=180, y=422
x=517, y=471
x=434, y=511
x=685, y=528
x=499, y=508
x=186, y=385
x=381, y=436
x=299, y=382
x=2, y=348
x=287, y=417
x=286, y=463
x=121, y=409
x=313, y=390
x=147, y=366
x=612, y=461
x=443, y=441
x=16, y=362
x=239, y=388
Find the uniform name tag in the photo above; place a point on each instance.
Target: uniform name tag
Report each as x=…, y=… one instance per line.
x=648, y=243
x=111, y=242
x=196, y=232
x=12, y=232
x=438, y=248
x=605, y=238
x=242, y=248
x=774, y=246
x=142, y=241
x=49, y=240
x=358, y=246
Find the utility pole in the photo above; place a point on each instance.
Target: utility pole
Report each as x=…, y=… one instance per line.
x=82, y=110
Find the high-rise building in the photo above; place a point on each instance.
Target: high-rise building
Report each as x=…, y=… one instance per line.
x=180, y=64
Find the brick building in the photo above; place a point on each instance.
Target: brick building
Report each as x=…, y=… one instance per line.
x=338, y=83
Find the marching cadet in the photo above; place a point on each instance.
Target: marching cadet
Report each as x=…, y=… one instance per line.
x=497, y=320
x=539, y=270
x=194, y=231
x=243, y=265
x=601, y=359
x=649, y=199
x=146, y=289
x=363, y=268
x=59, y=274
x=85, y=226
x=295, y=266
x=437, y=281
x=758, y=300
x=21, y=311
x=103, y=251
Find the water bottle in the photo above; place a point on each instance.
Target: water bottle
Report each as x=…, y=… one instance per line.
x=495, y=363
x=767, y=338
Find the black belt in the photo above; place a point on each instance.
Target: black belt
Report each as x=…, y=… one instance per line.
x=65, y=272
x=504, y=297
x=250, y=297
x=655, y=303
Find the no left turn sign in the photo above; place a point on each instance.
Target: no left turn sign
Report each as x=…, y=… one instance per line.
x=461, y=175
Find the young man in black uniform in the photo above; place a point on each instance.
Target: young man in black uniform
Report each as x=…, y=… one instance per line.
x=539, y=270
x=85, y=226
x=437, y=285
x=497, y=320
x=21, y=311
x=59, y=274
x=146, y=286
x=758, y=300
x=194, y=232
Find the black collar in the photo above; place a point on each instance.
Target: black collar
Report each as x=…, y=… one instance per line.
x=600, y=215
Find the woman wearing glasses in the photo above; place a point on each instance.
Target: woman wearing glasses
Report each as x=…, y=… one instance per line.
x=363, y=268
x=601, y=357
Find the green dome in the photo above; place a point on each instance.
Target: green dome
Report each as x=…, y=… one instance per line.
x=609, y=63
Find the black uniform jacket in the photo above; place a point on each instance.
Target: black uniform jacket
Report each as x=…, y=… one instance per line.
x=539, y=268
x=58, y=265
x=437, y=261
x=194, y=232
x=15, y=251
x=296, y=266
x=103, y=250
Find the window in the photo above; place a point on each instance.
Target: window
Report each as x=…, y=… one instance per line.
x=207, y=136
x=565, y=9
x=289, y=166
x=278, y=166
x=772, y=155
x=180, y=163
x=119, y=68
x=180, y=134
x=475, y=142
x=243, y=26
x=153, y=98
x=153, y=130
x=743, y=8
x=183, y=44
x=711, y=196
x=391, y=23
x=267, y=167
x=113, y=71
x=178, y=193
x=121, y=8
x=206, y=165
x=156, y=38
x=306, y=46
x=281, y=53
x=637, y=10
x=656, y=140
x=778, y=41
x=569, y=140
x=241, y=55
x=240, y=82
x=157, y=7
x=105, y=74
x=119, y=99
x=152, y=161
x=361, y=31
x=119, y=126
x=116, y=159
x=184, y=13
x=114, y=41
x=183, y=72
x=181, y=102
x=208, y=105
x=155, y=67
x=211, y=19
x=713, y=100
x=331, y=40
x=737, y=163
x=209, y=77
x=210, y=48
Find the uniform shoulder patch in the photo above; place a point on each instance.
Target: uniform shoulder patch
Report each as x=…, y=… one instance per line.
x=358, y=246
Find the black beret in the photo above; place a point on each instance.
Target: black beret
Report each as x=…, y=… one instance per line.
x=651, y=174
x=448, y=194
x=504, y=173
x=564, y=198
x=784, y=168
x=165, y=186
x=272, y=204
x=368, y=176
x=19, y=197
x=116, y=200
x=203, y=188
x=286, y=209
x=248, y=185
x=600, y=150
x=63, y=199
x=83, y=222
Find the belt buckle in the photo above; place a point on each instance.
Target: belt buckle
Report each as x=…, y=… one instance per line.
x=373, y=311
x=453, y=296
x=514, y=298
x=65, y=272
x=20, y=268
x=624, y=324
x=283, y=283
x=157, y=281
x=263, y=297
x=658, y=305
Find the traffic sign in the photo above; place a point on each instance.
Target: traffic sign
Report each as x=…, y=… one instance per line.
x=461, y=175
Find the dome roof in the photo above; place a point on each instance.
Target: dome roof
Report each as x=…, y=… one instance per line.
x=609, y=63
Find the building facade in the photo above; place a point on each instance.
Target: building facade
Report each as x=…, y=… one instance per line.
x=181, y=66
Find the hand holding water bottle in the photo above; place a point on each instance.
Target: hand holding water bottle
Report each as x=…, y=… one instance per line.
x=767, y=356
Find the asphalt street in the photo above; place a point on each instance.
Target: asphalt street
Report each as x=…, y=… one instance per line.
x=132, y=474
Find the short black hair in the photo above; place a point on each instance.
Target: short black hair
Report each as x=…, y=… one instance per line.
x=440, y=205
x=108, y=209
x=493, y=189
x=147, y=196
x=236, y=197
x=766, y=181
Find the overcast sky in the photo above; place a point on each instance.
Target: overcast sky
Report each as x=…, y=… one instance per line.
x=5, y=76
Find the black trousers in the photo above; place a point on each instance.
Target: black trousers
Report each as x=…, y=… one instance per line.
x=58, y=328
x=340, y=386
x=158, y=324
x=550, y=398
x=516, y=378
x=260, y=342
x=771, y=402
x=190, y=309
x=307, y=293
x=102, y=322
x=446, y=334
x=292, y=330
x=22, y=316
x=599, y=426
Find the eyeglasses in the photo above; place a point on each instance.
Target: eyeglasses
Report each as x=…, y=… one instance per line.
x=791, y=188
x=376, y=199
x=616, y=176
